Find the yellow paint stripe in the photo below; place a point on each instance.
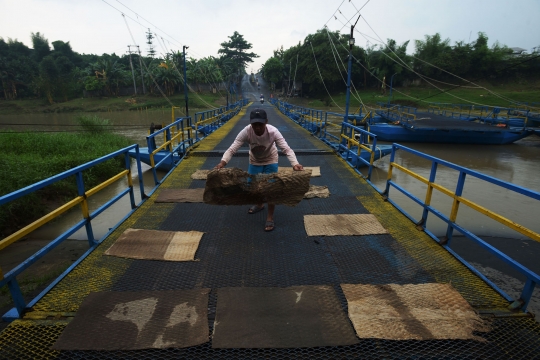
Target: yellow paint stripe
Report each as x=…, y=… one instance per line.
x=458, y=199
x=409, y=172
x=106, y=183
x=501, y=219
x=40, y=222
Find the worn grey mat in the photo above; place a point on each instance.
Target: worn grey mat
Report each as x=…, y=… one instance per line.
x=234, y=186
x=317, y=192
x=293, y=317
x=343, y=224
x=138, y=320
x=200, y=174
x=156, y=245
x=180, y=196
x=315, y=170
x=411, y=311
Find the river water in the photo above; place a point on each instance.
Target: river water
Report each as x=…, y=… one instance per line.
x=518, y=163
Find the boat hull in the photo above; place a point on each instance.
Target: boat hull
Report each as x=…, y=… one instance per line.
x=380, y=151
x=397, y=133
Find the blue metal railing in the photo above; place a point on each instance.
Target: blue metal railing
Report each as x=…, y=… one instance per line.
x=208, y=121
x=179, y=137
x=342, y=144
x=10, y=279
x=178, y=140
x=351, y=147
x=519, y=117
x=533, y=279
x=347, y=145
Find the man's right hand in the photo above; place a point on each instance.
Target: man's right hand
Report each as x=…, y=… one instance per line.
x=220, y=165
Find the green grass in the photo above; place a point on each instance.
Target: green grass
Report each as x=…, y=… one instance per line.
x=421, y=96
x=113, y=103
x=28, y=158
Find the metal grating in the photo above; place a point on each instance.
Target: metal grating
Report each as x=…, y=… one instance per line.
x=375, y=259
x=509, y=339
x=236, y=252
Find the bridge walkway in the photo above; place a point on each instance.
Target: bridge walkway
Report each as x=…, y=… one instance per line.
x=236, y=252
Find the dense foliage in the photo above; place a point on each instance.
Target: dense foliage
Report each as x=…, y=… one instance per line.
x=31, y=157
x=434, y=58
x=58, y=74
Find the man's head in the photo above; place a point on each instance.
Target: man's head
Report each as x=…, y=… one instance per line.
x=258, y=120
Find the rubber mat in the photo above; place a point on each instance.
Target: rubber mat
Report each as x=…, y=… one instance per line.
x=405, y=312
x=299, y=316
x=315, y=170
x=138, y=320
x=336, y=204
x=342, y=224
x=180, y=196
x=317, y=192
x=376, y=259
x=156, y=245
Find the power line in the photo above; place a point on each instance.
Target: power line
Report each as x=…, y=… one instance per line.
x=505, y=68
x=322, y=80
x=357, y=96
x=148, y=71
x=423, y=76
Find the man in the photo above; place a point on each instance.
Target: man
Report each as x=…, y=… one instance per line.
x=263, y=154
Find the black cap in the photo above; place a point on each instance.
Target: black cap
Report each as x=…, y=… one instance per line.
x=258, y=115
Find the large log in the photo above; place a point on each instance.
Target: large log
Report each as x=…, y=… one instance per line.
x=233, y=186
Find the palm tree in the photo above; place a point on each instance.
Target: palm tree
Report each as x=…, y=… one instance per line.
x=111, y=73
x=166, y=75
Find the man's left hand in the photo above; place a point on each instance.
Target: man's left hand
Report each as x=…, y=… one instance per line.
x=298, y=167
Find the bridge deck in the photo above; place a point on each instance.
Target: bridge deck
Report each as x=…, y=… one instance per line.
x=236, y=252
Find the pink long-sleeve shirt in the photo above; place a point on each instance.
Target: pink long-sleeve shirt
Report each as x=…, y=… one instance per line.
x=262, y=149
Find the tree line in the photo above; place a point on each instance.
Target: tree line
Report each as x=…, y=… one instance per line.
x=434, y=58
x=59, y=73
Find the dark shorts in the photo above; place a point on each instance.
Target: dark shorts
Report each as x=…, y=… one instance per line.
x=262, y=169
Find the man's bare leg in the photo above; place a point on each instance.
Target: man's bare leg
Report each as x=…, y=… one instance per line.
x=270, y=215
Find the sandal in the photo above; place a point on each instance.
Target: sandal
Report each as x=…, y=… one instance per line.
x=269, y=226
x=255, y=209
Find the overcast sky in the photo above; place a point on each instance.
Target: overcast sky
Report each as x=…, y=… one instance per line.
x=94, y=26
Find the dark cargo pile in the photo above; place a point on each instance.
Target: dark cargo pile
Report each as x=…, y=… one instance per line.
x=236, y=187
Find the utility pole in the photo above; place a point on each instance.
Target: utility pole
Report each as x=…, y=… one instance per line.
x=142, y=76
x=289, y=84
x=390, y=96
x=184, y=47
x=132, y=72
x=349, y=71
x=228, y=88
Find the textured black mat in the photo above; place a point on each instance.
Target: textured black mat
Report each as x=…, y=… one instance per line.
x=300, y=316
x=375, y=259
x=138, y=320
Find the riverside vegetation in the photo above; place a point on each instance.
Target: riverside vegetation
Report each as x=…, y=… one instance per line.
x=30, y=157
